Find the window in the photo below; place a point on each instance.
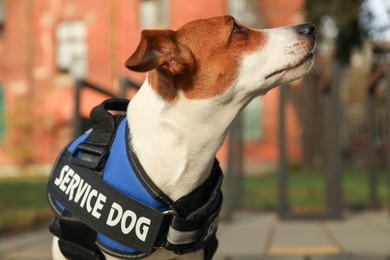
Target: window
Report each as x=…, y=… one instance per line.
x=2, y=16
x=72, y=48
x=252, y=122
x=154, y=13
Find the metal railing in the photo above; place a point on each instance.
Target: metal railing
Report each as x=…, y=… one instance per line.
x=81, y=122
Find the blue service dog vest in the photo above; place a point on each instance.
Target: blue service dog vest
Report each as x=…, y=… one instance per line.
x=104, y=200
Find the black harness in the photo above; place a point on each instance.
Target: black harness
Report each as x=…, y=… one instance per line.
x=93, y=214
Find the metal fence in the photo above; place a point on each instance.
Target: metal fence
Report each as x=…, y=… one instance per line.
x=82, y=122
x=332, y=164
x=353, y=138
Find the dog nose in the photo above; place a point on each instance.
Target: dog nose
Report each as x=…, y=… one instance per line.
x=306, y=29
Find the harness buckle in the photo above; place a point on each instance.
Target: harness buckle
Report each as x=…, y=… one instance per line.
x=91, y=156
x=171, y=212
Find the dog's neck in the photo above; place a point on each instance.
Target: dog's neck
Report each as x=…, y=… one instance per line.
x=176, y=142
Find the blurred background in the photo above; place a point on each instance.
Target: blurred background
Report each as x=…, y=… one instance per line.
x=317, y=148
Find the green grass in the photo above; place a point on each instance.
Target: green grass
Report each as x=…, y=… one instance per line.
x=356, y=188
x=307, y=190
x=23, y=203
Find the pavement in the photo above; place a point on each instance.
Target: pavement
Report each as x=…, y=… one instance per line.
x=261, y=236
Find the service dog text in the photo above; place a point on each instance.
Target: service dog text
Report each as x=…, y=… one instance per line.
x=93, y=201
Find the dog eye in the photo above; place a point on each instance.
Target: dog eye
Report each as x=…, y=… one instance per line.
x=238, y=29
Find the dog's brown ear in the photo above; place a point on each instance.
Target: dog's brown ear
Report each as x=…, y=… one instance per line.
x=159, y=49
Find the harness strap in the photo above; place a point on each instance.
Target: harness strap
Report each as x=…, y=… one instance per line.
x=80, y=247
x=93, y=152
x=104, y=123
x=185, y=235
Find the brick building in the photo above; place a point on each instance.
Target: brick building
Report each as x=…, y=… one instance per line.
x=46, y=44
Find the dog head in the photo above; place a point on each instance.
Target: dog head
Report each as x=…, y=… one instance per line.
x=221, y=57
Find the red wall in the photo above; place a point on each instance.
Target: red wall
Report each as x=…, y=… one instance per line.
x=27, y=67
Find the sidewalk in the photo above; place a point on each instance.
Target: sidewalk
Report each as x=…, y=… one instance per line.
x=364, y=236
x=34, y=245
x=262, y=236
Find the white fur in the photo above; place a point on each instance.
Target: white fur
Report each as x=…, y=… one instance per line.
x=176, y=142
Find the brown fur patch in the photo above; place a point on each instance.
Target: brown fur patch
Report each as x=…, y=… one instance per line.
x=217, y=53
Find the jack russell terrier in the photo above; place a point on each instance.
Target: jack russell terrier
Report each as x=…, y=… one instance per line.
x=199, y=78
